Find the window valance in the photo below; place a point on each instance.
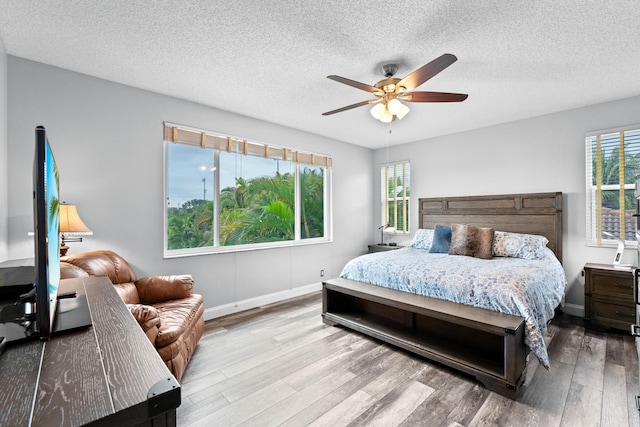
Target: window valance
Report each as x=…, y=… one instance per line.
x=183, y=135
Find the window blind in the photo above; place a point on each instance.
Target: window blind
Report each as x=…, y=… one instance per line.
x=612, y=168
x=205, y=139
x=395, y=195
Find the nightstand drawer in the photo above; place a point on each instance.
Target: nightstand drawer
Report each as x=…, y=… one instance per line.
x=612, y=284
x=625, y=313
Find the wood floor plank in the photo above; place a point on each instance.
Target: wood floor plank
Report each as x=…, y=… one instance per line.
x=590, y=363
x=313, y=372
x=547, y=393
x=497, y=410
x=396, y=374
x=297, y=402
x=396, y=406
x=374, y=366
x=614, y=396
x=468, y=405
x=583, y=406
x=274, y=353
x=566, y=344
x=633, y=384
x=346, y=411
x=615, y=349
x=194, y=412
x=252, y=379
x=438, y=407
x=237, y=412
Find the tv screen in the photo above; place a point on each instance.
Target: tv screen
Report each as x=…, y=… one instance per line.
x=47, y=235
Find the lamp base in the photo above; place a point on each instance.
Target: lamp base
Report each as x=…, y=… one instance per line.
x=63, y=250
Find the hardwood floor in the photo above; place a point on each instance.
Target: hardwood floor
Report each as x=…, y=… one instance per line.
x=280, y=365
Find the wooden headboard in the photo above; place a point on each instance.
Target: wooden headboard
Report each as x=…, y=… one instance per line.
x=537, y=213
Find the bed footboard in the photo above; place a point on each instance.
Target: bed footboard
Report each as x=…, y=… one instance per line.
x=486, y=344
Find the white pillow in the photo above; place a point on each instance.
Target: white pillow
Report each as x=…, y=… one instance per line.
x=516, y=245
x=422, y=239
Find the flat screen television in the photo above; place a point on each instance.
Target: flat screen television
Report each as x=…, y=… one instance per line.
x=46, y=199
x=30, y=307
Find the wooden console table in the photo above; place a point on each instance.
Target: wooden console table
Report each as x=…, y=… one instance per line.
x=108, y=374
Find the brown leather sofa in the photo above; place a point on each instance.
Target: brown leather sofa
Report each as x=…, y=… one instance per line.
x=166, y=308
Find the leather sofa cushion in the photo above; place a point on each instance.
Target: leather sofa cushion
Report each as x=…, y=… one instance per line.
x=176, y=316
x=127, y=292
x=163, y=288
x=148, y=318
x=103, y=263
x=70, y=271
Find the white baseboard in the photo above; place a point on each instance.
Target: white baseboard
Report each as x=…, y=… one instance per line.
x=574, y=310
x=238, y=306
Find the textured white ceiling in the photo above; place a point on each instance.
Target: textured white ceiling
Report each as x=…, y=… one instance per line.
x=269, y=59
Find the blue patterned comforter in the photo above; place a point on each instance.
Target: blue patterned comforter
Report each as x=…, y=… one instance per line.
x=531, y=289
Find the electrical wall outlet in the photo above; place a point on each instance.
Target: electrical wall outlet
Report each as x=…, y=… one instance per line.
x=321, y=273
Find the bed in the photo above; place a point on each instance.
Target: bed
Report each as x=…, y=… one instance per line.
x=478, y=315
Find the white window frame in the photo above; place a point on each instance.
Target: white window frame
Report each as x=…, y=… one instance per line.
x=591, y=191
x=385, y=200
x=216, y=248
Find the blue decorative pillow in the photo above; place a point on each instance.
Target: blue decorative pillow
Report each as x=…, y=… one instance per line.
x=441, y=240
x=515, y=245
x=423, y=239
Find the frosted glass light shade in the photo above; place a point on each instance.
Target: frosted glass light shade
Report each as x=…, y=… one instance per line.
x=394, y=106
x=403, y=110
x=378, y=111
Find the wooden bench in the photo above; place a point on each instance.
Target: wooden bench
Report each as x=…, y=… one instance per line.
x=484, y=343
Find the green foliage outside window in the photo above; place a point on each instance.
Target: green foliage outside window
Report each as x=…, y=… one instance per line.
x=257, y=210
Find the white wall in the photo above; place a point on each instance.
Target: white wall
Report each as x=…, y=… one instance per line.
x=542, y=154
x=107, y=140
x=4, y=173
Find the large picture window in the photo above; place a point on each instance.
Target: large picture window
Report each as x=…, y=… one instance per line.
x=225, y=193
x=613, y=167
x=395, y=196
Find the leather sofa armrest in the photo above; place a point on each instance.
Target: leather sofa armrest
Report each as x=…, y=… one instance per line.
x=156, y=289
x=148, y=318
x=69, y=271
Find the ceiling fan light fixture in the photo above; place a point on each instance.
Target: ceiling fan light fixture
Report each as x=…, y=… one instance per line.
x=387, y=117
x=378, y=111
x=403, y=111
x=394, y=106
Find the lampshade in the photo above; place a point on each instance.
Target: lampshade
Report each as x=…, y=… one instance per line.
x=70, y=222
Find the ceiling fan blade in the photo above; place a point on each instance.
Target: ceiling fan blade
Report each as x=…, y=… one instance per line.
x=427, y=71
x=353, y=83
x=434, y=97
x=349, y=107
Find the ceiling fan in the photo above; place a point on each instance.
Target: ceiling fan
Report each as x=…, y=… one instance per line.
x=390, y=91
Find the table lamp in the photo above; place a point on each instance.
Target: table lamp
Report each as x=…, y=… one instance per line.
x=71, y=227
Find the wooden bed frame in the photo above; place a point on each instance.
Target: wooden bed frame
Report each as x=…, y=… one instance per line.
x=484, y=343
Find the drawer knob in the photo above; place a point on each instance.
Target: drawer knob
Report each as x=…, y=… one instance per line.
x=625, y=314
